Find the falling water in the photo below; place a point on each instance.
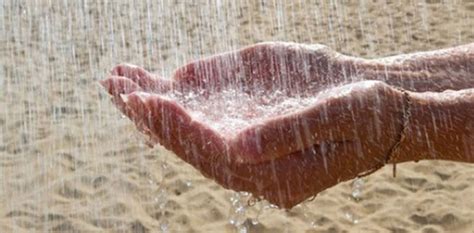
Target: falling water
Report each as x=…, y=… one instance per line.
x=357, y=188
x=70, y=163
x=162, y=198
x=237, y=215
x=252, y=109
x=246, y=211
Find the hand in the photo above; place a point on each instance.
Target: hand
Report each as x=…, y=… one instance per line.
x=351, y=129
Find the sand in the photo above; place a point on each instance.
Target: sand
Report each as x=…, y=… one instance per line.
x=69, y=162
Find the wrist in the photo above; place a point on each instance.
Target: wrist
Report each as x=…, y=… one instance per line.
x=440, y=126
x=436, y=71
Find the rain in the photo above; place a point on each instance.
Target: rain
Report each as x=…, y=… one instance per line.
x=70, y=161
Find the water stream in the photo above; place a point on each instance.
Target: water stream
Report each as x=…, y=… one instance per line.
x=70, y=163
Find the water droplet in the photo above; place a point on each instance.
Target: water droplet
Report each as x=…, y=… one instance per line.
x=238, y=210
x=255, y=221
x=164, y=166
x=351, y=217
x=164, y=225
x=357, y=187
x=311, y=198
x=242, y=229
x=188, y=183
x=162, y=198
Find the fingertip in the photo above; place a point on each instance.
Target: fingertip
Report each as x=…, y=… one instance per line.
x=116, y=85
x=104, y=83
x=123, y=69
x=141, y=77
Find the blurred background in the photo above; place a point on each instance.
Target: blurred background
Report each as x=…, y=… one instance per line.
x=69, y=162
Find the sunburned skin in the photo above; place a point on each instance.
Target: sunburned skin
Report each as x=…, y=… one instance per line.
x=285, y=121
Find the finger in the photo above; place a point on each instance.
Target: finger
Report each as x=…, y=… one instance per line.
x=352, y=112
x=265, y=66
x=291, y=179
x=175, y=129
x=312, y=171
x=169, y=124
x=117, y=86
x=286, y=134
x=145, y=80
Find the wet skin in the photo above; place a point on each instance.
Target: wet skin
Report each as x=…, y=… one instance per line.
x=373, y=112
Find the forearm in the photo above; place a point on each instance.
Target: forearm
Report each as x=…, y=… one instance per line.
x=440, y=126
x=425, y=71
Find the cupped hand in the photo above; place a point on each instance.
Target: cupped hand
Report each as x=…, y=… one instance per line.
x=350, y=128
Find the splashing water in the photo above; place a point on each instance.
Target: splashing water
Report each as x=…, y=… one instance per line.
x=238, y=109
x=260, y=211
x=246, y=211
x=237, y=215
x=356, y=194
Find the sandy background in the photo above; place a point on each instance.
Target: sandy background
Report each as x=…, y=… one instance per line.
x=70, y=163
